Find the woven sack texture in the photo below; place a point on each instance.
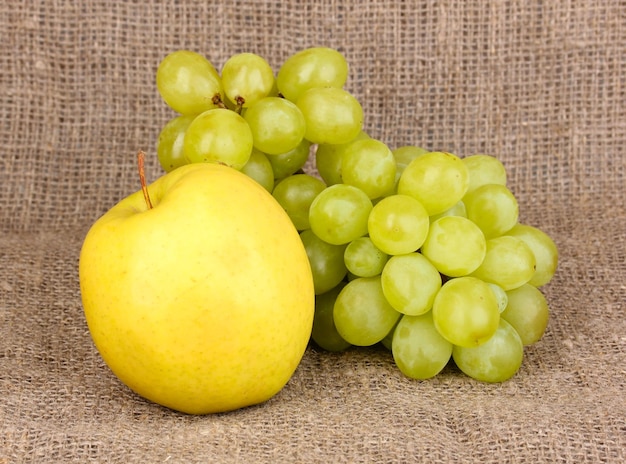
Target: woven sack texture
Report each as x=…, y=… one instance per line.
x=541, y=85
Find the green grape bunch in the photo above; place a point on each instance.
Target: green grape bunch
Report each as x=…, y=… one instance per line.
x=417, y=251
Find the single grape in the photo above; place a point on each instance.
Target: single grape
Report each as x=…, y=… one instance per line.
x=501, y=296
x=410, y=283
x=290, y=162
x=170, y=142
x=465, y=311
x=419, y=350
x=527, y=311
x=437, y=179
x=496, y=360
x=326, y=261
x=259, y=168
x=508, y=262
x=247, y=78
x=388, y=339
x=544, y=249
x=332, y=115
x=493, y=208
x=484, y=169
x=363, y=258
x=309, y=68
x=277, y=125
x=188, y=82
x=398, y=224
x=362, y=315
x=407, y=153
x=455, y=245
x=295, y=194
x=457, y=210
x=369, y=165
x=218, y=136
x=324, y=332
x=328, y=160
x=339, y=214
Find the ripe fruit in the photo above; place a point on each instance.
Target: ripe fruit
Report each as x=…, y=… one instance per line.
x=203, y=303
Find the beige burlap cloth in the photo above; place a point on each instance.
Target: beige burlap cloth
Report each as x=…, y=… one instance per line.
x=540, y=84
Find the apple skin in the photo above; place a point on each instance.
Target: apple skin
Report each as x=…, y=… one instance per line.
x=205, y=302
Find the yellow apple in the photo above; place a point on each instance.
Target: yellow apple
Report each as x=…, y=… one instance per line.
x=203, y=303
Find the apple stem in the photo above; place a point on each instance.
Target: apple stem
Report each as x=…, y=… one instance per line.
x=142, y=177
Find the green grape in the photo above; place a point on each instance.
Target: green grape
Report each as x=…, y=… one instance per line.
x=493, y=208
x=484, y=169
x=295, y=194
x=332, y=115
x=455, y=245
x=247, y=78
x=527, y=311
x=363, y=258
x=170, y=142
x=290, y=162
x=465, y=311
x=328, y=160
x=437, y=179
x=339, y=214
x=407, y=153
x=326, y=261
x=398, y=224
x=324, y=332
x=188, y=82
x=501, y=296
x=362, y=315
x=419, y=350
x=496, y=360
x=277, y=125
x=259, y=168
x=309, y=68
x=410, y=283
x=508, y=262
x=544, y=249
x=218, y=136
x=369, y=165
x=388, y=339
x=457, y=210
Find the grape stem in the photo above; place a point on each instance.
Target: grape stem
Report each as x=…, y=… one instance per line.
x=141, y=156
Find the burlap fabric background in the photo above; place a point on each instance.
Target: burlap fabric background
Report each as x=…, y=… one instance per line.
x=540, y=84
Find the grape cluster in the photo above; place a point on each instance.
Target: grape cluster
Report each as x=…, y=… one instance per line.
x=418, y=250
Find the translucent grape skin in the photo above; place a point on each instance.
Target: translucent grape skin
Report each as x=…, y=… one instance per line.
x=188, y=82
x=369, y=165
x=410, y=283
x=332, y=115
x=309, y=68
x=455, y=245
x=247, y=78
x=363, y=258
x=295, y=194
x=509, y=263
x=362, y=315
x=259, y=168
x=327, y=265
x=437, y=179
x=465, y=311
x=484, y=169
x=339, y=214
x=290, y=162
x=170, y=142
x=419, y=350
x=324, y=332
x=328, y=159
x=277, y=125
x=544, y=249
x=527, y=311
x=218, y=136
x=496, y=360
x=398, y=224
x=493, y=208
